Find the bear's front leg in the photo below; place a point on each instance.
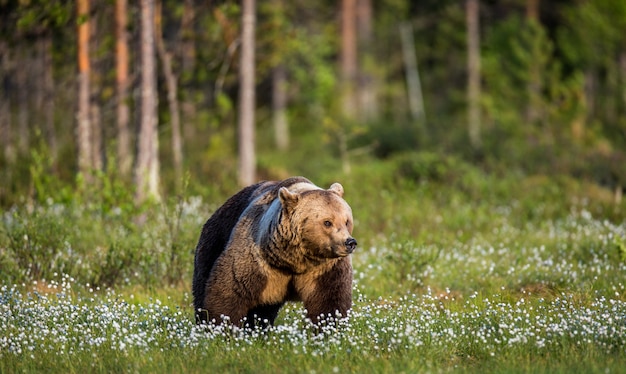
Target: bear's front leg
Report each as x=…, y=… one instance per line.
x=330, y=292
x=233, y=290
x=221, y=308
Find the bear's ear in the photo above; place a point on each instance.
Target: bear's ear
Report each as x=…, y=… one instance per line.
x=337, y=188
x=287, y=198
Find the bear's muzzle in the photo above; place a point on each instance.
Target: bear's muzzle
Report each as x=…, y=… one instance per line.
x=350, y=245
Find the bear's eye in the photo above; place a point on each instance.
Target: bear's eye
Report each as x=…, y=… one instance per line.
x=327, y=223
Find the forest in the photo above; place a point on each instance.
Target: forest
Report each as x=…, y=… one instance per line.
x=481, y=146
x=534, y=86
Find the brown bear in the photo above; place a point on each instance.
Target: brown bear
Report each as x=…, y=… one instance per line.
x=274, y=242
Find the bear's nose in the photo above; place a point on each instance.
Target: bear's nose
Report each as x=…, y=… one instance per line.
x=350, y=244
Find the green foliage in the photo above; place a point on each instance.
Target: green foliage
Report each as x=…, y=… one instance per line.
x=44, y=183
x=591, y=41
x=36, y=15
x=621, y=247
x=407, y=265
x=387, y=138
x=552, y=97
x=596, y=43
x=36, y=245
x=96, y=233
x=523, y=83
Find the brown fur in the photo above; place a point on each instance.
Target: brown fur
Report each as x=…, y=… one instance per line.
x=291, y=242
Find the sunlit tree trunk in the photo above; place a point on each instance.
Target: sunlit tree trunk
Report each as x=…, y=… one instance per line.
x=279, y=107
x=83, y=129
x=279, y=77
x=473, y=70
x=147, y=167
x=348, y=58
x=172, y=100
x=413, y=84
x=124, y=151
x=247, y=157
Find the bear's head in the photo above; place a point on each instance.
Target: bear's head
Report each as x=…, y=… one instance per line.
x=321, y=220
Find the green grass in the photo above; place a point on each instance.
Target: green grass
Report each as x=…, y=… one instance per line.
x=456, y=271
x=525, y=308
x=77, y=329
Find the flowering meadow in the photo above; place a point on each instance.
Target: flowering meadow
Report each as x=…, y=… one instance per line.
x=460, y=285
x=61, y=331
x=572, y=318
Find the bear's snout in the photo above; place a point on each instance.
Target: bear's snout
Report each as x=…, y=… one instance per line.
x=351, y=244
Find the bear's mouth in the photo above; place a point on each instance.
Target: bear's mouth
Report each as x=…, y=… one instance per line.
x=344, y=250
x=335, y=252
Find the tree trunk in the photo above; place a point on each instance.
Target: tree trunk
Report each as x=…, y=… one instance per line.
x=279, y=107
x=622, y=75
x=124, y=152
x=348, y=58
x=172, y=100
x=96, y=137
x=578, y=125
x=367, y=87
x=23, y=87
x=247, y=157
x=95, y=86
x=6, y=133
x=187, y=46
x=533, y=86
x=532, y=10
x=147, y=168
x=48, y=97
x=473, y=72
x=414, y=87
x=83, y=129
x=188, y=63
